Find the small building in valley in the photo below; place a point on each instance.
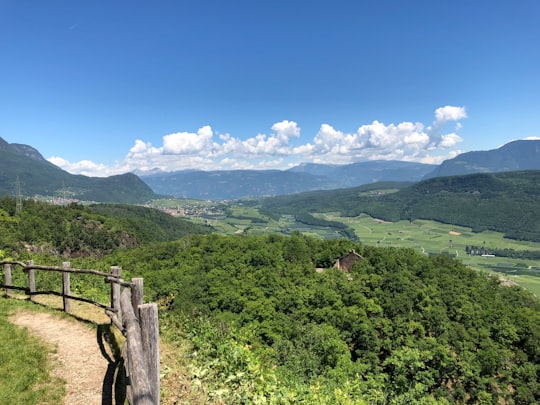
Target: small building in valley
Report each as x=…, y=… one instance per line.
x=347, y=262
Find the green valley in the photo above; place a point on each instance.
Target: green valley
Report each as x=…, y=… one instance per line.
x=429, y=312
x=425, y=236
x=434, y=238
x=491, y=211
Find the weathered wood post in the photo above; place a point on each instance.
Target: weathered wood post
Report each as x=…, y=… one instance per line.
x=7, y=278
x=137, y=294
x=137, y=369
x=66, y=287
x=115, y=290
x=148, y=317
x=31, y=280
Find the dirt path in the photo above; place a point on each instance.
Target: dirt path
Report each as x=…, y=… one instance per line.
x=81, y=358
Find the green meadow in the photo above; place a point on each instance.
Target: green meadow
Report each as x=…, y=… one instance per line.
x=432, y=237
x=428, y=237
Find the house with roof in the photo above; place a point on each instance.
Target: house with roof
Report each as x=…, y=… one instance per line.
x=347, y=262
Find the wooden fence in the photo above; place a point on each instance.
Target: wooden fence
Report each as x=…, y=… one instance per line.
x=137, y=321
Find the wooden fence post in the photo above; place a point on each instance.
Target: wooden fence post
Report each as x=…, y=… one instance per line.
x=137, y=294
x=7, y=278
x=31, y=280
x=115, y=290
x=148, y=316
x=137, y=369
x=66, y=288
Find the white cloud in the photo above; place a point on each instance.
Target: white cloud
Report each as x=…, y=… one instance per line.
x=327, y=139
x=449, y=113
x=141, y=150
x=84, y=167
x=270, y=164
x=285, y=130
x=58, y=161
x=444, y=115
x=410, y=141
x=271, y=145
x=188, y=142
x=438, y=159
x=449, y=140
x=377, y=140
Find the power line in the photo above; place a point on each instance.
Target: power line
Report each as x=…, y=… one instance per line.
x=18, y=197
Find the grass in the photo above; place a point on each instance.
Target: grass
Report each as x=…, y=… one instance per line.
x=432, y=237
x=177, y=384
x=25, y=364
x=50, y=390
x=426, y=236
x=25, y=361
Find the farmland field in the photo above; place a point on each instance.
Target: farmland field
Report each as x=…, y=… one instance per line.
x=428, y=237
x=434, y=238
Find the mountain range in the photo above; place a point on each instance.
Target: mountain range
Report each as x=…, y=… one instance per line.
x=23, y=169
x=514, y=156
x=506, y=202
x=224, y=185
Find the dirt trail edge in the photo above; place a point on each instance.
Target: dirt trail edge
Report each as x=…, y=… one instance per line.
x=78, y=360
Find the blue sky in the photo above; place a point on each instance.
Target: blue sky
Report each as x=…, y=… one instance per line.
x=107, y=87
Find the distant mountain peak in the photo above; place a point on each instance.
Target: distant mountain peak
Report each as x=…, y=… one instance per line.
x=149, y=172
x=3, y=144
x=513, y=156
x=38, y=176
x=30, y=152
x=232, y=184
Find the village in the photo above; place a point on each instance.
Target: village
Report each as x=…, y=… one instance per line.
x=191, y=209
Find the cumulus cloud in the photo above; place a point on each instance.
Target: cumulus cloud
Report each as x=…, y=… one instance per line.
x=84, y=167
x=449, y=113
x=182, y=143
x=443, y=116
x=403, y=141
x=327, y=139
x=142, y=149
x=449, y=140
x=207, y=150
x=274, y=144
x=285, y=130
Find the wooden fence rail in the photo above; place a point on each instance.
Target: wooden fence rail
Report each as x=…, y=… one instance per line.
x=137, y=321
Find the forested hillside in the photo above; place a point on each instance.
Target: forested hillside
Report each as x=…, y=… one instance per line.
x=23, y=170
x=513, y=156
x=505, y=202
x=267, y=319
x=77, y=230
x=401, y=327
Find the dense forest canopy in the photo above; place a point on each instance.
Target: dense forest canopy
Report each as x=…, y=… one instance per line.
x=415, y=328
x=77, y=230
x=270, y=320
